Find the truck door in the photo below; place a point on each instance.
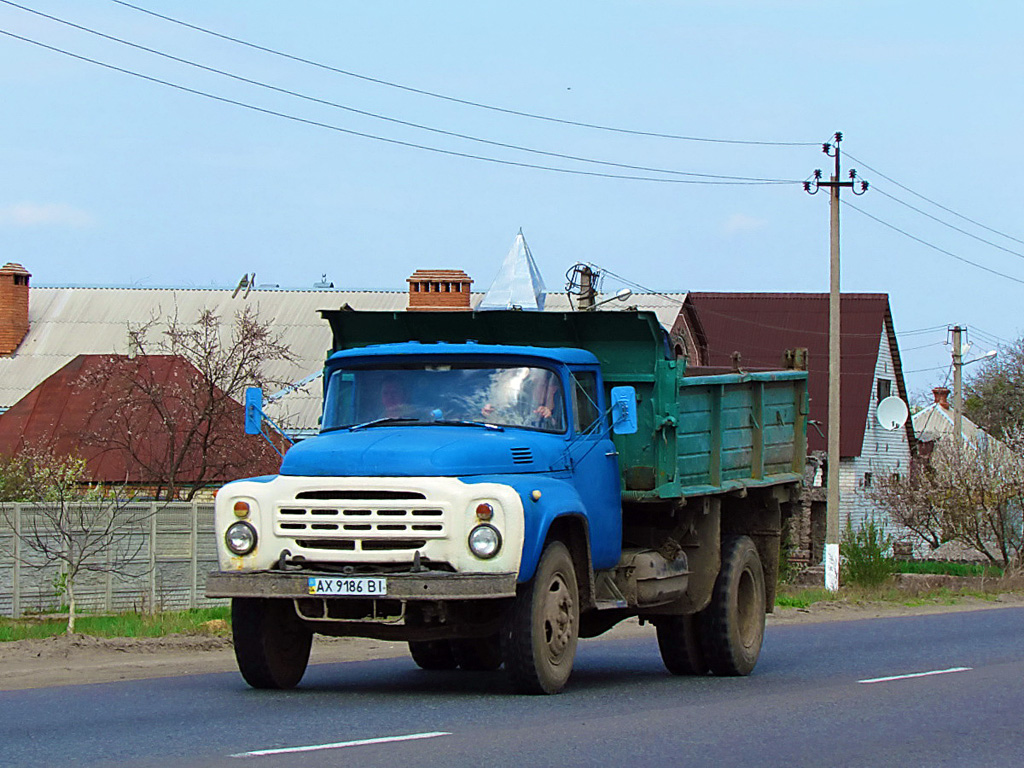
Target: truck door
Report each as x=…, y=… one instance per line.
x=595, y=466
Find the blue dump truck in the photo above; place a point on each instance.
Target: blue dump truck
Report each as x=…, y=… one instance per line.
x=491, y=486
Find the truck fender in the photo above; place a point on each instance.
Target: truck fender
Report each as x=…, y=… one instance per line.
x=552, y=508
x=559, y=509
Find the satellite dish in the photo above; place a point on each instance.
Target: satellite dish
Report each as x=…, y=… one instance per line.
x=892, y=413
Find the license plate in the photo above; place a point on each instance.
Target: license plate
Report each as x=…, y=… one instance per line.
x=348, y=585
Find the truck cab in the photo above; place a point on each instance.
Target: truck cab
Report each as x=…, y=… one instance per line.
x=459, y=457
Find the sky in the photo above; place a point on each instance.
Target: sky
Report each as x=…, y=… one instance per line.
x=109, y=178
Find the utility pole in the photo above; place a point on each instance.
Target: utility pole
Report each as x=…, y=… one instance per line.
x=834, y=351
x=587, y=291
x=958, y=386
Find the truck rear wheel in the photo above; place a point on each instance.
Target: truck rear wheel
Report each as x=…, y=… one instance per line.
x=679, y=640
x=432, y=654
x=732, y=626
x=539, y=643
x=478, y=654
x=271, y=643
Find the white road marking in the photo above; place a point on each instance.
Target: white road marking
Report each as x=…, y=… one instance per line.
x=916, y=674
x=340, y=744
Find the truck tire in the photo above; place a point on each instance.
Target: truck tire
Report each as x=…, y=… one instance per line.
x=732, y=626
x=271, y=643
x=433, y=654
x=679, y=640
x=539, y=642
x=478, y=654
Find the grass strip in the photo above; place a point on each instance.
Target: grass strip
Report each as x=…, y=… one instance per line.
x=194, y=622
x=949, y=569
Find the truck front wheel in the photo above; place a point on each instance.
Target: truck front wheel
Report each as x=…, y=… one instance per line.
x=679, y=640
x=732, y=626
x=478, y=654
x=271, y=643
x=539, y=643
x=432, y=654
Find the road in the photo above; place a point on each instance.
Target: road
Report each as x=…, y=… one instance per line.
x=820, y=696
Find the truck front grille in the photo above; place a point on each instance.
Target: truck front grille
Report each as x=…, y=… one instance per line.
x=370, y=520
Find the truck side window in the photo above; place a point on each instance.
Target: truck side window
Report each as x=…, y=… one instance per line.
x=339, y=406
x=584, y=400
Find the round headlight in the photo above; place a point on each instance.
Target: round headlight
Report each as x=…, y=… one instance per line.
x=240, y=538
x=484, y=541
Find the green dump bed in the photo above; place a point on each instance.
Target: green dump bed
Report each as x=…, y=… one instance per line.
x=698, y=434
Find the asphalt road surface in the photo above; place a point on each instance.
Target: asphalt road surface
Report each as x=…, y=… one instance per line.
x=934, y=690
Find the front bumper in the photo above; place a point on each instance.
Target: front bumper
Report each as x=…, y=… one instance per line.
x=401, y=586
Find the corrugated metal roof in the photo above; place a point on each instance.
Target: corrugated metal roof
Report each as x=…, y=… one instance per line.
x=665, y=305
x=936, y=422
x=762, y=326
x=67, y=322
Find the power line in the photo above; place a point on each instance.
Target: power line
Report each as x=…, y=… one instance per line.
x=377, y=116
x=940, y=221
x=935, y=368
x=991, y=338
x=933, y=247
x=923, y=346
x=918, y=331
x=456, y=100
x=397, y=142
x=937, y=205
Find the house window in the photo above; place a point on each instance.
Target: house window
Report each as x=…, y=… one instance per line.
x=884, y=389
x=867, y=479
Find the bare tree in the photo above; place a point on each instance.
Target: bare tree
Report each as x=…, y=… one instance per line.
x=70, y=526
x=972, y=494
x=173, y=409
x=994, y=394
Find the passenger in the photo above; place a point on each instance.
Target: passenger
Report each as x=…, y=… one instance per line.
x=393, y=399
x=548, y=396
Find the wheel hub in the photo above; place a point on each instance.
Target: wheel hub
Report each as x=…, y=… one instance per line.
x=558, y=618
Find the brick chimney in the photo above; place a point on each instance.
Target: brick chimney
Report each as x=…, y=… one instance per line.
x=445, y=290
x=941, y=395
x=13, y=307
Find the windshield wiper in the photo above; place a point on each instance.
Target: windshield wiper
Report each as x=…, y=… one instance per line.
x=384, y=420
x=465, y=423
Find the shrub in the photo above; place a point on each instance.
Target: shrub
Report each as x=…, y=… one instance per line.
x=866, y=557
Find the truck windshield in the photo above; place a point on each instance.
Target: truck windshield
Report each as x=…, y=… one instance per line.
x=426, y=393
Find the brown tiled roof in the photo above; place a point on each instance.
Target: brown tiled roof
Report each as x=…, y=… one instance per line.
x=61, y=413
x=761, y=326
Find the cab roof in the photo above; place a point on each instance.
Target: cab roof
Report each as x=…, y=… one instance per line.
x=468, y=350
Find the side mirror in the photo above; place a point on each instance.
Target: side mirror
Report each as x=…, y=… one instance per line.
x=253, y=411
x=624, y=419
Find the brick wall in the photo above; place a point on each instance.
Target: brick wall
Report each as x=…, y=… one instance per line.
x=439, y=289
x=13, y=307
